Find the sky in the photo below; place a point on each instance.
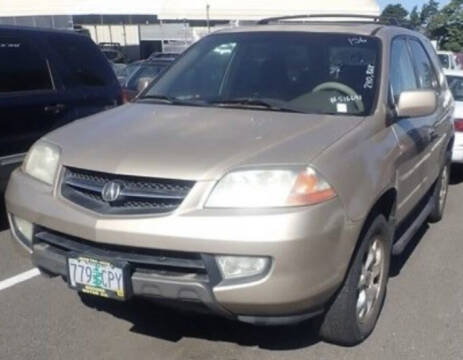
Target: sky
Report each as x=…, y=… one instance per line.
x=408, y=4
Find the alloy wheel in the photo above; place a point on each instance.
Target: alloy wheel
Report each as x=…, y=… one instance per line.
x=371, y=279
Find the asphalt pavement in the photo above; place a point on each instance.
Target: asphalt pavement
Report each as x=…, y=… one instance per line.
x=422, y=318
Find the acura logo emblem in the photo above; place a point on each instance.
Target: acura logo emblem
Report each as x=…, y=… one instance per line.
x=111, y=191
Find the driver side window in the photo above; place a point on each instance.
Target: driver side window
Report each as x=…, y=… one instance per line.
x=401, y=73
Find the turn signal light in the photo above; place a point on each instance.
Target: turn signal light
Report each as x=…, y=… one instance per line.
x=310, y=189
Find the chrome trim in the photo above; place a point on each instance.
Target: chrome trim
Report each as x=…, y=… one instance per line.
x=438, y=143
x=82, y=184
x=416, y=167
x=150, y=195
x=412, y=193
x=90, y=186
x=12, y=159
x=138, y=195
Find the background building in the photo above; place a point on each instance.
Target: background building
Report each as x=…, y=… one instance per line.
x=145, y=26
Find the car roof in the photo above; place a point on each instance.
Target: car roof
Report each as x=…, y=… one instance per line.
x=37, y=31
x=350, y=27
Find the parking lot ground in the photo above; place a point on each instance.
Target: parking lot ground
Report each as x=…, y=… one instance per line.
x=422, y=318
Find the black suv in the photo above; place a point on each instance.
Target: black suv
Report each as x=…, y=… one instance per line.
x=47, y=78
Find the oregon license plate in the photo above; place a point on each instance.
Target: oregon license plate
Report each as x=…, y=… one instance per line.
x=97, y=277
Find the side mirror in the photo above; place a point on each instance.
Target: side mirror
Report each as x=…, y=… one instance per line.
x=143, y=83
x=417, y=103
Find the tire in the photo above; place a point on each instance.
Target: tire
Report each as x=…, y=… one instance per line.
x=439, y=197
x=346, y=321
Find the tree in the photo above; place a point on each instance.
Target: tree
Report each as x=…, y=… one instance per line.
x=397, y=12
x=415, y=19
x=447, y=26
x=428, y=11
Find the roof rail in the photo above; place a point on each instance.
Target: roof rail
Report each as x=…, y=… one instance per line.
x=373, y=18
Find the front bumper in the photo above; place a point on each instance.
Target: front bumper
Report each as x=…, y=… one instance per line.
x=310, y=249
x=52, y=259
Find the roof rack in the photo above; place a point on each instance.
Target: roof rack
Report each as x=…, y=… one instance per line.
x=373, y=18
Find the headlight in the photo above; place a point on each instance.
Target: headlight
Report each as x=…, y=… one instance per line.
x=232, y=267
x=270, y=188
x=42, y=162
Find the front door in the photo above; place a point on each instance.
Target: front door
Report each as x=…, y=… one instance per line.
x=411, y=133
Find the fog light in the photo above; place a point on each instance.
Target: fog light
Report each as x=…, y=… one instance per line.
x=24, y=229
x=233, y=267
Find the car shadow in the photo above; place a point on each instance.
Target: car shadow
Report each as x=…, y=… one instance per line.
x=398, y=261
x=456, y=174
x=3, y=218
x=154, y=320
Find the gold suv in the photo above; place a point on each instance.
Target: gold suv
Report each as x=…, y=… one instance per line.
x=267, y=176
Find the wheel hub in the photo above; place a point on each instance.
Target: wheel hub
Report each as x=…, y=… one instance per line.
x=443, y=188
x=371, y=278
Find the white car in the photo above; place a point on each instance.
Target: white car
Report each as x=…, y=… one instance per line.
x=455, y=80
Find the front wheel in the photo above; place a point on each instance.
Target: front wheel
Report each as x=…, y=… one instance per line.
x=353, y=314
x=439, y=197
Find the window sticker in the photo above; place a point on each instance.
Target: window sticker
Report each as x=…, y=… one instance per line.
x=345, y=99
x=357, y=41
x=369, y=80
x=9, y=45
x=341, y=108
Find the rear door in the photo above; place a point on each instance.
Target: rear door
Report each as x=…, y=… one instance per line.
x=85, y=73
x=411, y=132
x=436, y=125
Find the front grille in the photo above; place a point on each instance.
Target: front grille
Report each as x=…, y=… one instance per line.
x=136, y=195
x=164, y=263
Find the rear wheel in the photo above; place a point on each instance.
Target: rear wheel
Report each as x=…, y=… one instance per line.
x=353, y=314
x=439, y=197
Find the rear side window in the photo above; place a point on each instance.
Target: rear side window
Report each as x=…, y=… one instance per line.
x=85, y=65
x=22, y=68
x=424, y=68
x=402, y=73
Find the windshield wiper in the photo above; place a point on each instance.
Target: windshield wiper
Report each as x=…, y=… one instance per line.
x=163, y=98
x=251, y=102
x=171, y=100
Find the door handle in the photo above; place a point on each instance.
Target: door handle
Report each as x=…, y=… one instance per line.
x=432, y=134
x=55, y=109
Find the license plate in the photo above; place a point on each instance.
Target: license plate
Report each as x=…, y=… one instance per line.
x=97, y=277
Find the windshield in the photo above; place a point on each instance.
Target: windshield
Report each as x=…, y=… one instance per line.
x=303, y=72
x=144, y=71
x=456, y=87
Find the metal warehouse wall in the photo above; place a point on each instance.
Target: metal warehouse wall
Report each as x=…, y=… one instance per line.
x=57, y=21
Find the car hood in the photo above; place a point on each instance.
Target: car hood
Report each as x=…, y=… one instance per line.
x=196, y=143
